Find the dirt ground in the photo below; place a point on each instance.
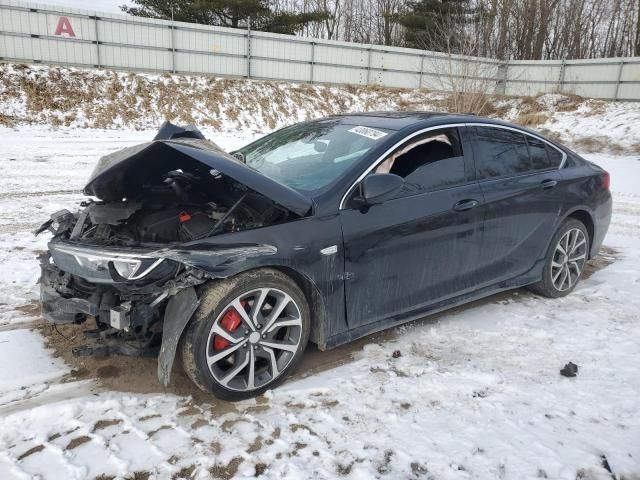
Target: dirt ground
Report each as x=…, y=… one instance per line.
x=139, y=375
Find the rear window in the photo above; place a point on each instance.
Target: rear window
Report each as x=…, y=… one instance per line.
x=500, y=152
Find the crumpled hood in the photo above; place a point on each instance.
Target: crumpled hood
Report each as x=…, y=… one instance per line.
x=120, y=174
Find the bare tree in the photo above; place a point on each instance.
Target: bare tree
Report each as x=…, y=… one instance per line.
x=470, y=80
x=503, y=29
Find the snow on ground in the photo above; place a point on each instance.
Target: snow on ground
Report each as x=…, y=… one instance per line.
x=98, y=98
x=476, y=392
x=607, y=124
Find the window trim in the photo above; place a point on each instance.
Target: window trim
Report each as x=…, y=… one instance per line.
x=381, y=158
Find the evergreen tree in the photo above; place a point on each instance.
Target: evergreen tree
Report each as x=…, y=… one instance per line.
x=435, y=24
x=226, y=13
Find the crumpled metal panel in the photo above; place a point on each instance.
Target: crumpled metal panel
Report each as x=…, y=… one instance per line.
x=176, y=316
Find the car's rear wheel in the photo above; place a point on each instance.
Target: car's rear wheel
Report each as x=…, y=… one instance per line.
x=565, y=261
x=248, y=334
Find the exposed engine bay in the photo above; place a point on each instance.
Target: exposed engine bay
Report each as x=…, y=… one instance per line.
x=134, y=252
x=183, y=208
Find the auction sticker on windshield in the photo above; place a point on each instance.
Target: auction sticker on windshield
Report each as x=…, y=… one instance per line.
x=368, y=132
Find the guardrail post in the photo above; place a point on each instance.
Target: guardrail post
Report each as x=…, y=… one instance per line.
x=172, y=29
x=615, y=95
x=249, y=47
x=369, y=66
x=561, y=77
x=501, y=81
x=95, y=27
x=313, y=59
x=421, y=71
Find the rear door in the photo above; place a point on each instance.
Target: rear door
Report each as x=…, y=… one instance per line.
x=522, y=202
x=420, y=246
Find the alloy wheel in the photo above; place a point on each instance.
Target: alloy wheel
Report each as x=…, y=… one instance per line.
x=568, y=259
x=254, y=339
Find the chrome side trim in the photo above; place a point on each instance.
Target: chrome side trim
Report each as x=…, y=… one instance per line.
x=333, y=249
x=437, y=127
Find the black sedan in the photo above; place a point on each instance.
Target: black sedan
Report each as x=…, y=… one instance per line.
x=324, y=231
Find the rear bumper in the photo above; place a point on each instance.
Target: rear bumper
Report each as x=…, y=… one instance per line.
x=601, y=222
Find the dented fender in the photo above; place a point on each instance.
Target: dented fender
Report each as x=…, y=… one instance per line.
x=216, y=258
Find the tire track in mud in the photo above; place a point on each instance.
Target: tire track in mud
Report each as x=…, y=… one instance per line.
x=13, y=227
x=19, y=227
x=9, y=195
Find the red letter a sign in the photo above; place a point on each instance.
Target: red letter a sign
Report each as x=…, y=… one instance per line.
x=64, y=26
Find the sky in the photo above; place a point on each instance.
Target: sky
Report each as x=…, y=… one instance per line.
x=108, y=6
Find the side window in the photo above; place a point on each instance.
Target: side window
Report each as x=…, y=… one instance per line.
x=500, y=152
x=555, y=156
x=429, y=162
x=538, y=152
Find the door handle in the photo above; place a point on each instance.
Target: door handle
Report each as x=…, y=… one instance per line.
x=548, y=184
x=464, y=205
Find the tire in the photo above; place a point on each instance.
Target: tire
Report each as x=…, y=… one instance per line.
x=221, y=336
x=560, y=275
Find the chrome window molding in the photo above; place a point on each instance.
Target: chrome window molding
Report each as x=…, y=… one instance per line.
x=438, y=127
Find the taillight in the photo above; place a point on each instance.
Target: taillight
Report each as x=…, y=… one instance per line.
x=606, y=180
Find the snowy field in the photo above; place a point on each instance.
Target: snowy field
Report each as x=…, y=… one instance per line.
x=476, y=393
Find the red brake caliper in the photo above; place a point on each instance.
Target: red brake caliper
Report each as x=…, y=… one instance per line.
x=230, y=322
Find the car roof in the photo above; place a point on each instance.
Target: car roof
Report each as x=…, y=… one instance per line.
x=400, y=120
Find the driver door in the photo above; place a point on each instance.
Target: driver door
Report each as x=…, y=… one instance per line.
x=419, y=247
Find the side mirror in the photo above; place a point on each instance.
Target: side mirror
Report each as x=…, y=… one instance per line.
x=378, y=187
x=240, y=156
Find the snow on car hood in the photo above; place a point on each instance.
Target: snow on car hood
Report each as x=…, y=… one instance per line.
x=120, y=174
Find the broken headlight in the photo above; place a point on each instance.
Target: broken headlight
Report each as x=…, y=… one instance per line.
x=119, y=266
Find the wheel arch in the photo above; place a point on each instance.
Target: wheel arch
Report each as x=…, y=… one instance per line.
x=314, y=298
x=586, y=218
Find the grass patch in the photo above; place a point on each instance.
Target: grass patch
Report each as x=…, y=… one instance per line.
x=532, y=119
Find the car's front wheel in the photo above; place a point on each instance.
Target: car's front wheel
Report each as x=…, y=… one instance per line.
x=248, y=334
x=565, y=261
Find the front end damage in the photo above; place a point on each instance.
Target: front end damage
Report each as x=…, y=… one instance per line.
x=134, y=317
x=132, y=258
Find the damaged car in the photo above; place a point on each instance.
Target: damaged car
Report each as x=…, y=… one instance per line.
x=321, y=232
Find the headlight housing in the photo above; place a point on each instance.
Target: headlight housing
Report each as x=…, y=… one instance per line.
x=105, y=265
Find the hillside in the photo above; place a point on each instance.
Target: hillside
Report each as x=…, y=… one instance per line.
x=62, y=97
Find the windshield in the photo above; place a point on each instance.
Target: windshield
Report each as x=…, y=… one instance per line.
x=311, y=155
